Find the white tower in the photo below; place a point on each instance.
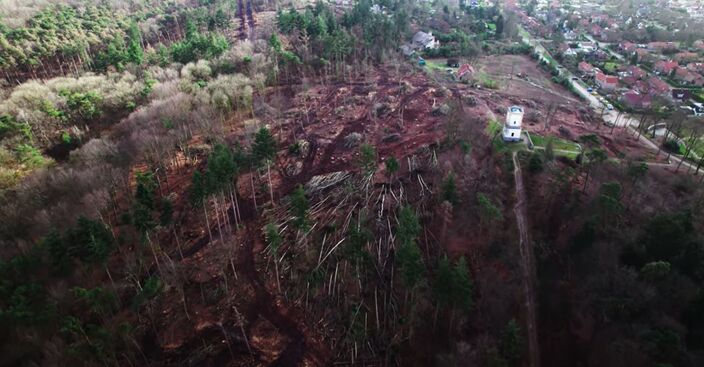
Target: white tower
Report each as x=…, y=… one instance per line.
x=512, y=126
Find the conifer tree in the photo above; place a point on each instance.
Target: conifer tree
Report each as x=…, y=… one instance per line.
x=299, y=207
x=449, y=189
x=462, y=285
x=135, y=54
x=273, y=238
x=409, y=256
x=264, y=152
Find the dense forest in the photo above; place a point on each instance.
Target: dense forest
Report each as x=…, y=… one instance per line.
x=246, y=183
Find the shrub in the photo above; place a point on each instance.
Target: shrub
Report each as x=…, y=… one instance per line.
x=535, y=164
x=673, y=146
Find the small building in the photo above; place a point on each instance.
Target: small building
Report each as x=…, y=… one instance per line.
x=686, y=57
x=606, y=82
x=659, y=87
x=512, y=125
x=686, y=76
x=661, y=46
x=627, y=46
x=636, y=72
x=420, y=41
x=643, y=54
x=635, y=99
x=665, y=67
x=586, y=68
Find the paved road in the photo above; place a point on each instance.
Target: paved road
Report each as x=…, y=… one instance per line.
x=626, y=120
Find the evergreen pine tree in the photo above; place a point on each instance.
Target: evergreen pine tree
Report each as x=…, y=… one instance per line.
x=462, y=285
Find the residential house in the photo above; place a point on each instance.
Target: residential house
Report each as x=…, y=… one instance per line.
x=658, y=87
x=587, y=47
x=595, y=30
x=424, y=40
x=606, y=82
x=665, y=67
x=635, y=99
x=629, y=81
x=420, y=41
x=586, y=68
x=628, y=47
x=601, y=55
x=661, y=46
x=643, y=54
x=642, y=86
x=636, y=72
x=685, y=57
x=696, y=67
x=685, y=76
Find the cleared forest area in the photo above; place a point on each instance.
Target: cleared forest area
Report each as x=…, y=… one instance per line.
x=221, y=183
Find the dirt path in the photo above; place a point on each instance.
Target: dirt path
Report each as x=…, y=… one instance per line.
x=300, y=346
x=527, y=266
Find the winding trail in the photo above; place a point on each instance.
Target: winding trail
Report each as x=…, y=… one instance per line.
x=527, y=266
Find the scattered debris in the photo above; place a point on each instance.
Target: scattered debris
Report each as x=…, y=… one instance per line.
x=352, y=140
x=294, y=169
x=469, y=100
x=441, y=110
x=322, y=182
x=380, y=110
x=303, y=148
x=391, y=138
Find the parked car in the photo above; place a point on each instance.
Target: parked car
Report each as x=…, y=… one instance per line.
x=610, y=107
x=589, y=90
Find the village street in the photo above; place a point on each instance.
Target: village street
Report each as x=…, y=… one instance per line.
x=610, y=116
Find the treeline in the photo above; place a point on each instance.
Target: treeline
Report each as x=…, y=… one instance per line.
x=65, y=39
x=58, y=114
x=88, y=222
x=319, y=39
x=635, y=254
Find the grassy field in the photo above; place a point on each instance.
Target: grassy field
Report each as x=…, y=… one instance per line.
x=557, y=143
x=437, y=65
x=561, y=147
x=610, y=67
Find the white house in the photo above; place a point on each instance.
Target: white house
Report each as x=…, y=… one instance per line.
x=421, y=41
x=512, y=126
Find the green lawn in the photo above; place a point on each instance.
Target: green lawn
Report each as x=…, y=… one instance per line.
x=610, y=67
x=437, y=64
x=492, y=128
x=557, y=143
x=698, y=148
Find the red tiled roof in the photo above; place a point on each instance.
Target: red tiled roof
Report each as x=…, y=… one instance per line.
x=604, y=78
x=665, y=66
x=636, y=72
x=635, y=99
x=658, y=85
x=585, y=66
